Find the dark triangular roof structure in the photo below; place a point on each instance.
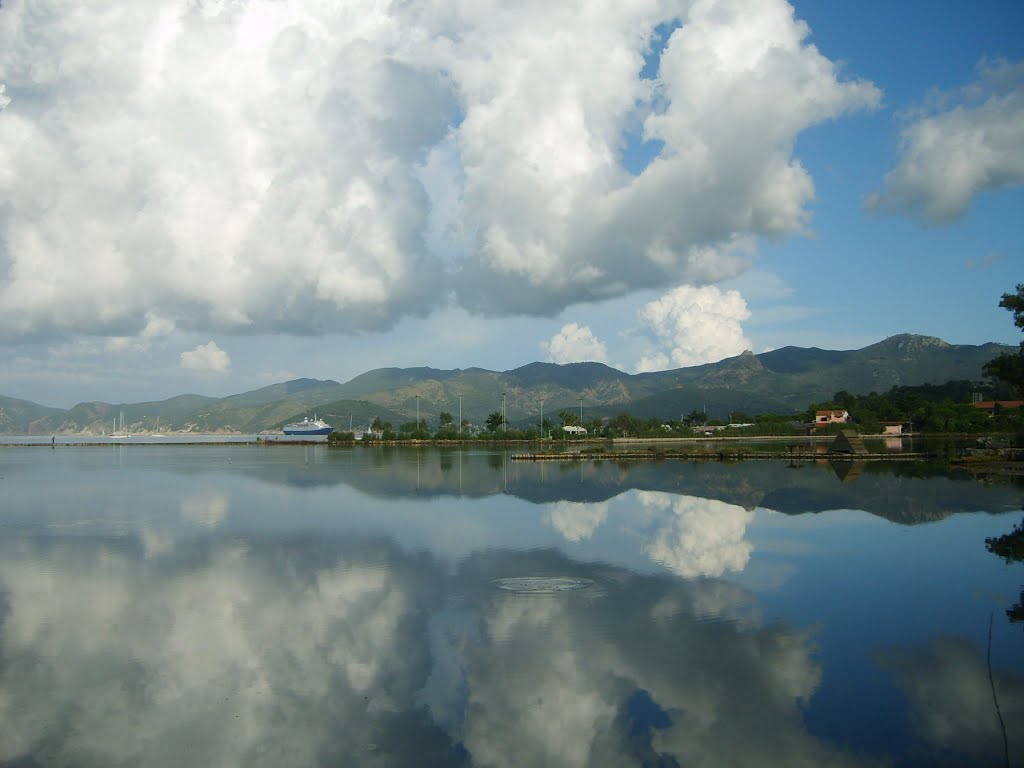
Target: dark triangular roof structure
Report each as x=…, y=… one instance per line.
x=849, y=442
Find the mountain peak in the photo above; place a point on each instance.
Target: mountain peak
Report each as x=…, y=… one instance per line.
x=746, y=359
x=300, y=385
x=909, y=342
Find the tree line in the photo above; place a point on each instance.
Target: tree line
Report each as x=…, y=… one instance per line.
x=928, y=408
x=931, y=408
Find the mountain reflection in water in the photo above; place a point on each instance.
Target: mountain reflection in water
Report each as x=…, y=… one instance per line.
x=209, y=607
x=906, y=492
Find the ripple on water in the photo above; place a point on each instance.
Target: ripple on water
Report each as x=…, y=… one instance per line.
x=541, y=585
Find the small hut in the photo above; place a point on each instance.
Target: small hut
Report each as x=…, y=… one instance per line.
x=848, y=442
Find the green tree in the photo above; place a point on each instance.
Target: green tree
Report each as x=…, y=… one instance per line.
x=494, y=421
x=1009, y=366
x=568, y=418
x=695, y=418
x=446, y=429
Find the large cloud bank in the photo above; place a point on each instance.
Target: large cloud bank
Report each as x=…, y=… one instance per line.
x=308, y=166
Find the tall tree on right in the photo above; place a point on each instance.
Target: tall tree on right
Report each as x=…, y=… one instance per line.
x=1009, y=366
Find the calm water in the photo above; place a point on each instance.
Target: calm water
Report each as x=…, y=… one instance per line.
x=242, y=605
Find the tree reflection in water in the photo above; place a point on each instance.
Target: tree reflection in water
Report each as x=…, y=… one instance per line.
x=1010, y=547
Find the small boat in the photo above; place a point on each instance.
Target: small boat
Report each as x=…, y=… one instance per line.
x=122, y=432
x=308, y=426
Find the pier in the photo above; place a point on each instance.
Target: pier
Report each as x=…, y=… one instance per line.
x=724, y=455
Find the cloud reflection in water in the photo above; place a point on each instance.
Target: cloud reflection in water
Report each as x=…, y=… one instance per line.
x=697, y=537
x=235, y=620
x=310, y=651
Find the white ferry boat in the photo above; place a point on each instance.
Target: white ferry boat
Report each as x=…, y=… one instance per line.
x=308, y=426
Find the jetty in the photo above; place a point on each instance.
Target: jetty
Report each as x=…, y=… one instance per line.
x=724, y=455
x=847, y=446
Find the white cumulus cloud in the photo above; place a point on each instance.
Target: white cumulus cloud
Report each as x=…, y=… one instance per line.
x=950, y=155
x=311, y=167
x=575, y=344
x=694, y=326
x=206, y=357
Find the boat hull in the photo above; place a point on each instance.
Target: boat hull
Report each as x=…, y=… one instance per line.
x=320, y=431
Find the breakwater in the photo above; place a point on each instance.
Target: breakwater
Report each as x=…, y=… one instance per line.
x=724, y=455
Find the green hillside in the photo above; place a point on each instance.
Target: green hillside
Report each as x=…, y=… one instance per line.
x=782, y=381
x=310, y=391
x=17, y=417
x=787, y=380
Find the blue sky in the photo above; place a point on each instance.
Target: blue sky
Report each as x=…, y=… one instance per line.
x=212, y=197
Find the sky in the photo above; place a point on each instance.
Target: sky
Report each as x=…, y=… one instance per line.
x=211, y=196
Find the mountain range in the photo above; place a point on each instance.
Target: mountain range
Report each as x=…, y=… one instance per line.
x=784, y=380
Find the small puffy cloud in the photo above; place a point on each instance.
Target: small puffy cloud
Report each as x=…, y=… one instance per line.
x=206, y=357
x=304, y=167
x=963, y=148
x=156, y=326
x=575, y=344
x=694, y=326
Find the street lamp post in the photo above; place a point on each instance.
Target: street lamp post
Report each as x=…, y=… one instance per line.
x=581, y=412
x=418, y=413
x=540, y=428
x=460, y=414
x=504, y=424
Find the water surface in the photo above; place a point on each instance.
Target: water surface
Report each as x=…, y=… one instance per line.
x=304, y=605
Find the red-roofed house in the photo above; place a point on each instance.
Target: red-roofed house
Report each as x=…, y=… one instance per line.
x=990, y=405
x=822, y=418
